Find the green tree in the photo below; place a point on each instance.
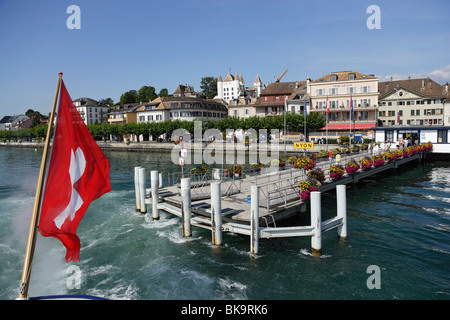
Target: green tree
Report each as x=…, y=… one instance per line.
x=128, y=97
x=146, y=94
x=36, y=117
x=164, y=92
x=314, y=121
x=107, y=101
x=209, y=87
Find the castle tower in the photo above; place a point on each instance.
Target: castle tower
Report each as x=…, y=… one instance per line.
x=220, y=87
x=258, y=85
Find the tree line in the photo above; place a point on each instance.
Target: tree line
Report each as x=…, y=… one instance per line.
x=148, y=93
x=294, y=123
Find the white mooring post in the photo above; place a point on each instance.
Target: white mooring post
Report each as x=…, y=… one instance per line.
x=160, y=180
x=254, y=223
x=186, y=203
x=142, y=180
x=216, y=213
x=155, y=194
x=316, y=222
x=341, y=196
x=136, y=188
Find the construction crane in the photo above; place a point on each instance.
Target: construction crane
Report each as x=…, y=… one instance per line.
x=279, y=78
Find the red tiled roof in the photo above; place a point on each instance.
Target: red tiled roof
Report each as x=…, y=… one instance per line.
x=346, y=126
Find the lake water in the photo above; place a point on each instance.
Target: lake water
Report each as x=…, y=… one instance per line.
x=399, y=222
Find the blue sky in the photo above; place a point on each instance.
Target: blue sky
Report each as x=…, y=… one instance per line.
x=124, y=45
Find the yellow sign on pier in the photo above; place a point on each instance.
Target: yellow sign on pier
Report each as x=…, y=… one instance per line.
x=303, y=145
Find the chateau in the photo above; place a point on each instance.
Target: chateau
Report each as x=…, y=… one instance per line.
x=233, y=88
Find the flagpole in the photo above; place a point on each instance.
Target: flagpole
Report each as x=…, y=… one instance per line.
x=327, y=133
x=350, y=136
x=25, y=280
x=351, y=111
x=284, y=134
x=328, y=111
x=304, y=114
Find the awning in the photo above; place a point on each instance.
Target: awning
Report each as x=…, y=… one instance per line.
x=346, y=126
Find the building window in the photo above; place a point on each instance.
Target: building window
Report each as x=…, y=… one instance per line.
x=442, y=136
x=389, y=135
x=351, y=76
x=365, y=89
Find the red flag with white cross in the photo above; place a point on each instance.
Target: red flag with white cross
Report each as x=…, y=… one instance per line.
x=78, y=174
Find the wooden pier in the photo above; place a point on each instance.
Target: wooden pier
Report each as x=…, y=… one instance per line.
x=252, y=204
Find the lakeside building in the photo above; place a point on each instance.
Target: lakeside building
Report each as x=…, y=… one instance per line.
x=124, y=114
x=296, y=102
x=412, y=102
x=340, y=91
x=12, y=122
x=92, y=111
x=447, y=105
x=242, y=107
x=233, y=88
x=273, y=98
x=185, y=104
x=396, y=135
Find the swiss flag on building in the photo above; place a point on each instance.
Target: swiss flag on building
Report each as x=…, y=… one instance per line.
x=78, y=174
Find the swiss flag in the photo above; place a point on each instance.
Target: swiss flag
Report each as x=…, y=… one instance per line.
x=78, y=174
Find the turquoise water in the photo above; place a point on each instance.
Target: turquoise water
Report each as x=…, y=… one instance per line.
x=400, y=223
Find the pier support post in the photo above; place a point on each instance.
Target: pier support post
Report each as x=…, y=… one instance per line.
x=155, y=194
x=142, y=190
x=136, y=188
x=216, y=213
x=316, y=222
x=160, y=180
x=186, y=209
x=341, y=196
x=254, y=223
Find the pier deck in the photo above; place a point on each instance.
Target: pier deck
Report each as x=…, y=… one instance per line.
x=278, y=198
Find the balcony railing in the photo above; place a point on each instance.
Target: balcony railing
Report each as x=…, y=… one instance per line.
x=358, y=119
x=342, y=108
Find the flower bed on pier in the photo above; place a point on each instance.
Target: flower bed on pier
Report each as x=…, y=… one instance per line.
x=377, y=160
x=233, y=170
x=366, y=163
x=388, y=156
x=352, y=167
x=306, y=187
x=317, y=174
x=336, y=172
x=305, y=162
x=256, y=167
